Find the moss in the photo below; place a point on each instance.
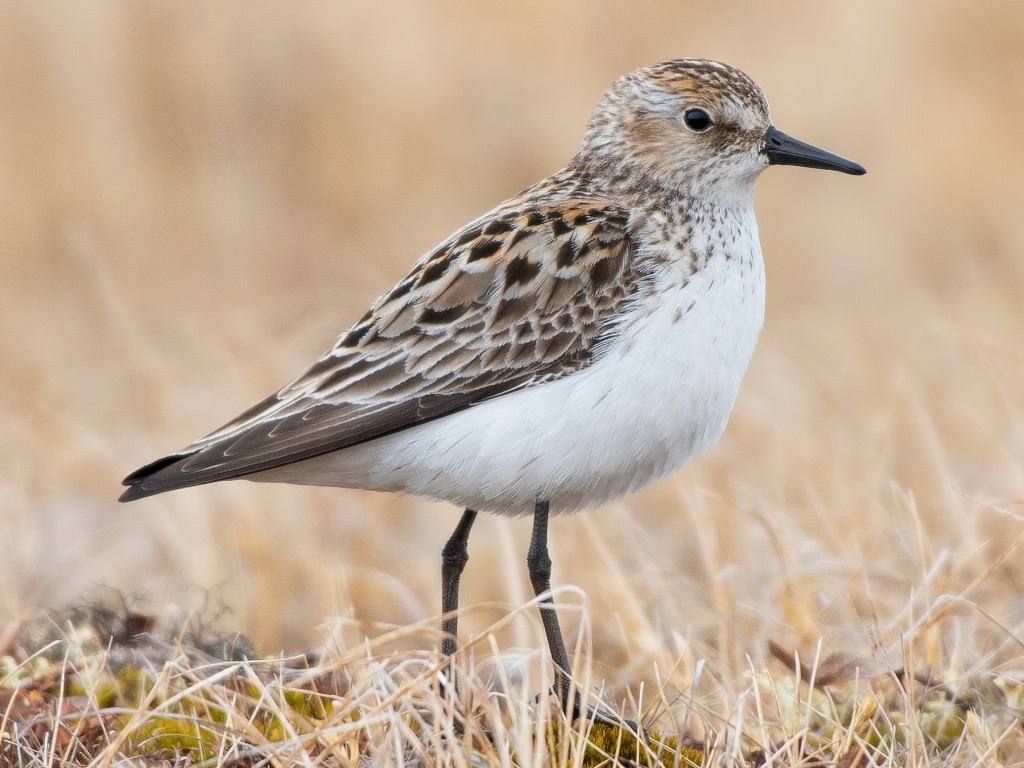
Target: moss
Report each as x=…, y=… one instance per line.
x=610, y=745
x=170, y=735
x=308, y=704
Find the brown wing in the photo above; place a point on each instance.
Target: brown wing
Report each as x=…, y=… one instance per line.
x=511, y=300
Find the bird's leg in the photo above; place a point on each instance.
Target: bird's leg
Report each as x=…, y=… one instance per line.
x=539, y=564
x=454, y=557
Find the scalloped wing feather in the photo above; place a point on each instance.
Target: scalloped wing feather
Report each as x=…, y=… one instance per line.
x=514, y=299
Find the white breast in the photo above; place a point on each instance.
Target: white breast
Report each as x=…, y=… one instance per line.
x=661, y=394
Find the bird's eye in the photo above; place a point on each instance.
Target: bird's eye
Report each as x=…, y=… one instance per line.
x=697, y=120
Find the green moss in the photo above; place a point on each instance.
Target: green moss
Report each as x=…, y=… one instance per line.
x=609, y=745
x=175, y=735
x=944, y=723
x=308, y=704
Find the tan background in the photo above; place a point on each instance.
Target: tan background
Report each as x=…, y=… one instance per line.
x=196, y=198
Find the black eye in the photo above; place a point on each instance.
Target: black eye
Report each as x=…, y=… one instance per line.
x=697, y=120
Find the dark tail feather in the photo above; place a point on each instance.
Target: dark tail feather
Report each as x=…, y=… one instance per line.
x=157, y=477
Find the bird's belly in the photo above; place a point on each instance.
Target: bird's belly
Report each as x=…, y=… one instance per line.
x=661, y=394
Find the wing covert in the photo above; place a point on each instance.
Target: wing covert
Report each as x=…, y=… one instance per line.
x=513, y=299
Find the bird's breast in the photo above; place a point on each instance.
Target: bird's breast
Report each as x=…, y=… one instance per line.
x=688, y=347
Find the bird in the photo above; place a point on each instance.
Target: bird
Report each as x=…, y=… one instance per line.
x=574, y=344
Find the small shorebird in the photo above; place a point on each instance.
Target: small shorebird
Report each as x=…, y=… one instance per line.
x=577, y=342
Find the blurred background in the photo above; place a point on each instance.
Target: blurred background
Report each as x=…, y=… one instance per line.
x=197, y=198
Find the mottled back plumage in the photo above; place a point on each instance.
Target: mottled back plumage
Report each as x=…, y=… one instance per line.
x=517, y=298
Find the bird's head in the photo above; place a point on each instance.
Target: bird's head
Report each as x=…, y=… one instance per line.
x=693, y=127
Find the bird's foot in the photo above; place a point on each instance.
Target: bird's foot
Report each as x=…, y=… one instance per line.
x=599, y=716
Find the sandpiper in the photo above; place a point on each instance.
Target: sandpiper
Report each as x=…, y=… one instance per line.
x=577, y=342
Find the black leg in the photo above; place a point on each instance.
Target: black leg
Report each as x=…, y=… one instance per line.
x=454, y=557
x=539, y=564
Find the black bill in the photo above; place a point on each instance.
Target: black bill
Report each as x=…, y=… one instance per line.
x=781, y=149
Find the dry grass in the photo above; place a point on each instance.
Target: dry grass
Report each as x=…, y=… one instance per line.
x=196, y=199
x=99, y=686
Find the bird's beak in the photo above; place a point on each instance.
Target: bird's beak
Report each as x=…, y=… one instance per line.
x=781, y=149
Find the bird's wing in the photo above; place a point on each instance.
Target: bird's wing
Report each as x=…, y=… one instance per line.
x=513, y=299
